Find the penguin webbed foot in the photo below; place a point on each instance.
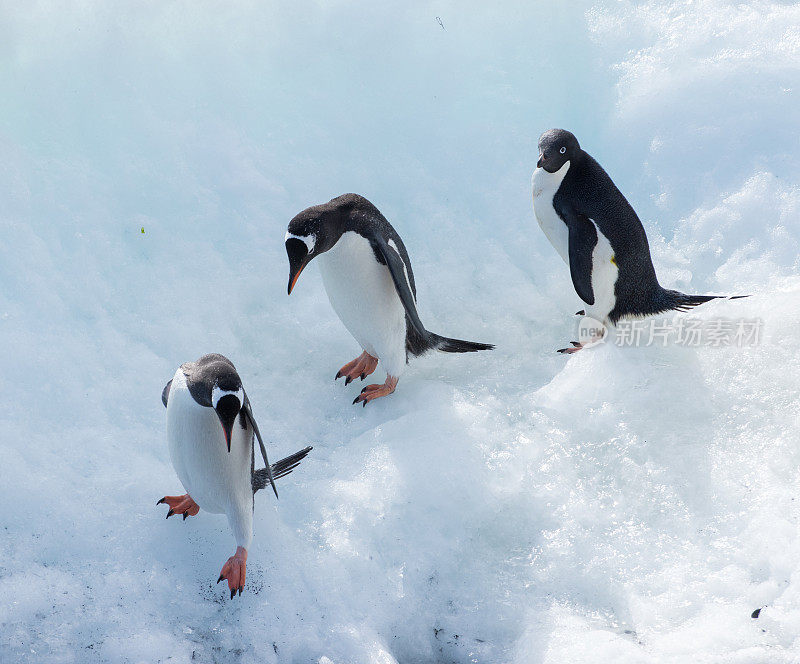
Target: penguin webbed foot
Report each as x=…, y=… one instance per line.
x=361, y=367
x=576, y=346
x=234, y=571
x=371, y=392
x=180, y=505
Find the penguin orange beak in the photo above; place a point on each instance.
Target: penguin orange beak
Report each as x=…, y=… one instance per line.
x=294, y=275
x=227, y=431
x=297, y=252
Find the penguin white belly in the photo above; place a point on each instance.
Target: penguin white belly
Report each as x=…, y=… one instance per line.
x=363, y=295
x=545, y=185
x=604, y=279
x=217, y=480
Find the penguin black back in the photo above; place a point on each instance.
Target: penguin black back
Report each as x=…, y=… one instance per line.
x=589, y=191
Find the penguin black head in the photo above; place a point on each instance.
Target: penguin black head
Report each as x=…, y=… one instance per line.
x=316, y=229
x=557, y=147
x=214, y=383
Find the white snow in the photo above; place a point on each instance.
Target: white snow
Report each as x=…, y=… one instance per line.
x=621, y=505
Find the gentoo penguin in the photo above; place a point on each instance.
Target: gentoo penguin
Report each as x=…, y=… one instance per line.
x=214, y=455
x=597, y=233
x=367, y=275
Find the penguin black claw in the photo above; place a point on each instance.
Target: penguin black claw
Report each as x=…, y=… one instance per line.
x=569, y=351
x=220, y=579
x=161, y=501
x=185, y=514
x=233, y=592
x=348, y=380
x=169, y=514
x=363, y=376
x=355, y=401
x=240, y=591
x=338, y=375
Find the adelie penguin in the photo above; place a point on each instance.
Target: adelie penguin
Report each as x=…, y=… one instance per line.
x=369, y=281
x=211, y=431
x=597, y=233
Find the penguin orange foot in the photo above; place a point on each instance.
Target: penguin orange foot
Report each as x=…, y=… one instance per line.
x=361, y=367
x=180, y=505
x=371, y=392
x=234, y=571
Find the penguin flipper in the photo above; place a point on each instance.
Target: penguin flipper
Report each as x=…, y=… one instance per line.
x=582, y=240
x=248, y=411
x=398, y=271
x=165, y=393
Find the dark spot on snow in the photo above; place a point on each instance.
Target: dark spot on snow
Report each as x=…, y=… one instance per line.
x=275, y=647
x=755, y=613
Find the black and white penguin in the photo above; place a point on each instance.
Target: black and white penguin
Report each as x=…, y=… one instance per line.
x=210, y=429
x=368, y=278
x=597, y=233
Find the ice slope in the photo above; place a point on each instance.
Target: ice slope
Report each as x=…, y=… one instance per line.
x=621, y=505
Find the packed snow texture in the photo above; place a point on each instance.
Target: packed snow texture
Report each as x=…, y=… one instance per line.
x=621, y=505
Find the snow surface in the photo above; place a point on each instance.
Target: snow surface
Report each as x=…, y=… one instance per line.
x=620, y=505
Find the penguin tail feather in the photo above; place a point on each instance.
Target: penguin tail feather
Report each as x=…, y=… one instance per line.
x=677, y=301
x=447, y=345
x=279, y=468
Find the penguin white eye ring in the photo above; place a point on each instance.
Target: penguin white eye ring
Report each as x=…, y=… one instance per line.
x=563, y=150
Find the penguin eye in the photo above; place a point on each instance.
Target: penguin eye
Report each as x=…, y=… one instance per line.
x=563, y=150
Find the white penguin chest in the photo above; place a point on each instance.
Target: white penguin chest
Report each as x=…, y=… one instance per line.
x=604, y=278
x=363, y=295
x=216, y=479
x=545, y=185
